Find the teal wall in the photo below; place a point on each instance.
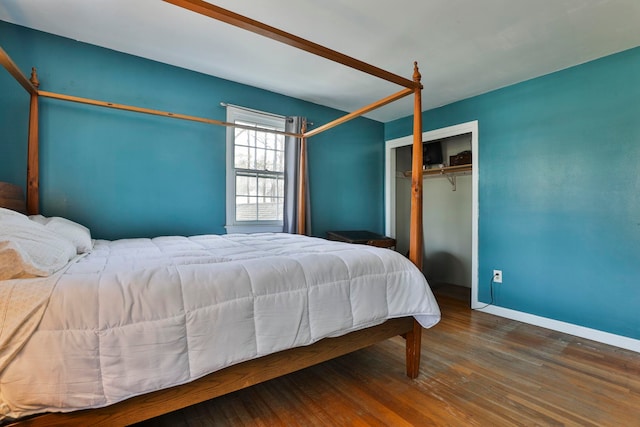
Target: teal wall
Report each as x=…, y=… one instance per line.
x=559, y=192
x=129, y=175
x=14, y=123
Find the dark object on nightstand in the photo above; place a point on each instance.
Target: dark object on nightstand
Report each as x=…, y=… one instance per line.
x=362, y=237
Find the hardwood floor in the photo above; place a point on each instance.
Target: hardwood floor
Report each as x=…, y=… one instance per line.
x=477, y=370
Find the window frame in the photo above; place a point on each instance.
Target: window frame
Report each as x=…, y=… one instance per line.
x=259, y=118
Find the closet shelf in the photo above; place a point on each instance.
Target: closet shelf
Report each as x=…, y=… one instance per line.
x=448, y=170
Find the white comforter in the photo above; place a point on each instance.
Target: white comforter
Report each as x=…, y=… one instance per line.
x=139, y=315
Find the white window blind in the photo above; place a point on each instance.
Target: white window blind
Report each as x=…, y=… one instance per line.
x=255, y=171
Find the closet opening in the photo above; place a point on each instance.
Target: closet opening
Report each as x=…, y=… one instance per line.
x=450, y=206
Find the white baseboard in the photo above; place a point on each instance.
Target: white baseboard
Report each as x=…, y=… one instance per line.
x=567, y=328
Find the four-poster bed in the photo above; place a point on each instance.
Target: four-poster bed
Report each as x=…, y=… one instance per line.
x=269, y=366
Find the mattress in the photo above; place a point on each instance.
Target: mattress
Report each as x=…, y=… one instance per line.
x=138, y=315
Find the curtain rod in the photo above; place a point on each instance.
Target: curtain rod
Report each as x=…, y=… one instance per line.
x=240, y=107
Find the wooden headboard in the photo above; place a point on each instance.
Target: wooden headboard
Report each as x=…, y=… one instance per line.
x=12, y=197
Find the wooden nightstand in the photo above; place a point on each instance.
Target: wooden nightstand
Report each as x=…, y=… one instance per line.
x=362, y=237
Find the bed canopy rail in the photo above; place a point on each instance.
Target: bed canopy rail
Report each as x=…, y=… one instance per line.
x=153, y=112
x=13, y=69
x=240, y=21
x=307, y=134
x=364, y=110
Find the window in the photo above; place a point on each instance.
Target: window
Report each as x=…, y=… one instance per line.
x=255, y=172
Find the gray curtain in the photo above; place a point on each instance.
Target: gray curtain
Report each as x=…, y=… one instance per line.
x=291, y=166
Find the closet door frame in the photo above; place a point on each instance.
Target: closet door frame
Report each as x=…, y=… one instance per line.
x=390, y=187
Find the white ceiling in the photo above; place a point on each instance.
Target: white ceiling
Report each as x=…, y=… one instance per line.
x=464, y=47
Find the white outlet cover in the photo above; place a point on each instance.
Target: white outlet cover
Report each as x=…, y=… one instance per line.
x=497, y=276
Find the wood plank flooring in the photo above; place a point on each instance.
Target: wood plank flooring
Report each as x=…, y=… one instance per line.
x=477, y=370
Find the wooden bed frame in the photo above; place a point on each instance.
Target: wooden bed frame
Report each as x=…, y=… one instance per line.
x=225, y=381
x=262, y=369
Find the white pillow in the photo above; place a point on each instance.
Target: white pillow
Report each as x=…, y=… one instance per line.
x=29, y=249
x=76, y=233
x=4, y=212
x=39, y=219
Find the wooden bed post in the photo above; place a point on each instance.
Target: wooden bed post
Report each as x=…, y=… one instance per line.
x=414, y=338
x=302, y=183
x=415, y=239
x=33, y=162
x=413, y=348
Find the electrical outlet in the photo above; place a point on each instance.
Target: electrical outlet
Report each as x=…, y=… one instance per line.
x=497, y=276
